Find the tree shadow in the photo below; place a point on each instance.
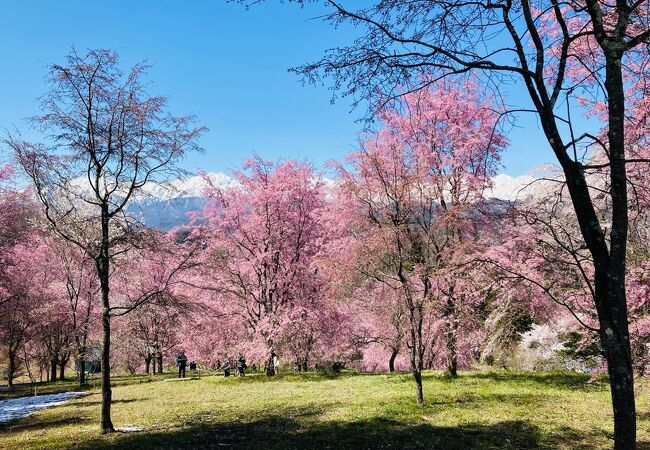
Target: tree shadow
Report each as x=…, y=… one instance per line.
x=72, y=384
x=295, y=430
x=26, y=390
x=469, y=400
x=298, y=377
x=643, y=415
x=37, y=423
x=99, y=402
x=563, y=380
x=643, y=445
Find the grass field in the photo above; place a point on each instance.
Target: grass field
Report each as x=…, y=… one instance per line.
x=72, y=384
x=483, y=410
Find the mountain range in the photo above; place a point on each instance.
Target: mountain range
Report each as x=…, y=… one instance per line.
x=167, y=205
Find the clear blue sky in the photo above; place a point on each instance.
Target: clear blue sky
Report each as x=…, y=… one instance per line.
x=217, y=60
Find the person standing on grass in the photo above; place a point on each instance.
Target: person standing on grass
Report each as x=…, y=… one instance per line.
x=226, y=367
x=181, y=362
x=241, y=365
x=276, y=363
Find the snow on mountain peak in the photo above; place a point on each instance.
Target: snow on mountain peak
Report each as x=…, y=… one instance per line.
x=535, y=184
x=193, y=186
x=166, y=205
x=506, y=187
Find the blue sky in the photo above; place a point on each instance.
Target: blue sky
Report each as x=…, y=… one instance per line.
x=217, y=60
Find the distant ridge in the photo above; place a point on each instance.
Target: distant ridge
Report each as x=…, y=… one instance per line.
x=166, y=206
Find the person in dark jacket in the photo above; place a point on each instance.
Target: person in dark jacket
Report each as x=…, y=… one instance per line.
x=181, y=362
x=241, y=365
x=226, y=367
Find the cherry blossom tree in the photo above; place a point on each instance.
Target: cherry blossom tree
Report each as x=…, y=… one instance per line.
x=75, y=274
x=155, y=330
x=411, y=192
x=541, y=251
x=17, y=214
x=105, y=140
x=24, y=286
x=380, y=327
x=262, y=237
x=559, y=51
x=55, y=333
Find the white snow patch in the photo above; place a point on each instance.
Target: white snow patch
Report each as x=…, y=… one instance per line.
x=129, y=429
x=194, y=186
x=506, y=187
x=17, y=408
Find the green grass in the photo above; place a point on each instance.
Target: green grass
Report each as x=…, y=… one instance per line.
x=72, y=384
x=486, y=410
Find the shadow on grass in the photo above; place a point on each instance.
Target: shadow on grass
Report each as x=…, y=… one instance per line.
x=560, y=379
x=643, y=415
x=94, y=403
x=72, y=384
x=286, y=432
x=27, y=389
x=473, y=401
x=38, y=424
x=298, y=377
x=568, y=380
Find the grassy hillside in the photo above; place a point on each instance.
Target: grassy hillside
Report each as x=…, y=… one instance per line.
x=485, y=410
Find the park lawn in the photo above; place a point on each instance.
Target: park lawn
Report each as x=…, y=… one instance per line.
x=72, y=384
x=490, y=410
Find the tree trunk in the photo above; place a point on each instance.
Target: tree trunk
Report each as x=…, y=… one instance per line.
x=417, y=353
x=11, y=370
x=270, y=366
x=621, y=379
x=62, y=364
x=417, y=376
x=452, y=352
x=102, y=264
x=609, y=263
x=415, y=318
x=147, y=364
x=82, y=369
x=611, y=304
x=614, y=331
x=391, y=361
x=417, y=350
x=81, y=357
x=53, y=367
x=107, y=393
x=452, y=358
x=160, y=363
x=103, y=270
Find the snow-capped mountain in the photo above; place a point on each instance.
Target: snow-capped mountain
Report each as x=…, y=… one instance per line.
x=191, y=187
x=168, y=205
x=506, y=187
